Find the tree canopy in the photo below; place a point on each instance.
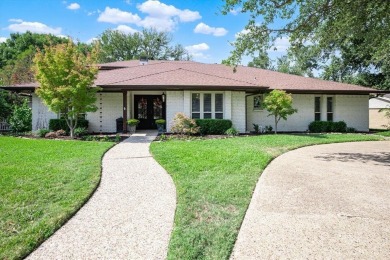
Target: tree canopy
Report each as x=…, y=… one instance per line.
x=349, y=40
x=117, y=46
x=66, y=77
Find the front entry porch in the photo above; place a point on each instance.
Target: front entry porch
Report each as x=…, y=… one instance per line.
x=147, y=109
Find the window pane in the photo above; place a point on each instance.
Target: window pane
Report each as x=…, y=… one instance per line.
x=329, y=102
x=207, y=115
x=218, y=103
x=157, y=108
x=142, y=108
x=219, y=115
x=195, y=102
x=317, y=116
x=258, y=102
x=330, y=117
x=317, y=104
x=195, y=115
x=207, y=102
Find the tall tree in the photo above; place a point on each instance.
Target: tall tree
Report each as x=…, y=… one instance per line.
x=66, y=78
x=117, y=46
x=357, y=32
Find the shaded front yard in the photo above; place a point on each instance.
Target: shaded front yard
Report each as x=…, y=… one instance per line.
x=215, y=180
x=42, y=184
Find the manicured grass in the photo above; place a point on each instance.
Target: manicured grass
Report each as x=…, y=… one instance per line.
x=215, y=180
x=385, y=133
x=42, y=184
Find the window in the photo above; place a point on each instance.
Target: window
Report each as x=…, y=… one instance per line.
x=207, y=113
x=317, y=109
x=195, y=105
x=219, y=106
x=329, y=108
x=258, y=102
x=207, y=105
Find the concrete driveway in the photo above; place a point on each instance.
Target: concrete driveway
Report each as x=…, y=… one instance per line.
x=321, y=202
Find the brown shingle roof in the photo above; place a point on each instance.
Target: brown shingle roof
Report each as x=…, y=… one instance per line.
x=194, y=75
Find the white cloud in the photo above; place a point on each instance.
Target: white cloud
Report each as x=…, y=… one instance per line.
x=160, y=16
x=91, y=40
x=15, y=20
x=3, y=39
x=197, y=47
x=73, y=6
x=281, y=44
x=157, y=9
x=160, y=24
x=36, y=27
x=235, y=11
x=126, y=29
x=205, y=29
x=115, y=16
x=242, y=32
x=197, y=50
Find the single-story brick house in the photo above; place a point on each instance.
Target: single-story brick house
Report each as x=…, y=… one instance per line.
x=378, y=119
x=159, y=89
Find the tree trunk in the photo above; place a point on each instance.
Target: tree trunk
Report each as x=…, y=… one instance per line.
x=276, y=125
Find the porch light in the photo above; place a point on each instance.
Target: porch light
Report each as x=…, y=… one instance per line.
x=163, y=97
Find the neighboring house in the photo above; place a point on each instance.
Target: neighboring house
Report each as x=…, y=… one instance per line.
x=378, y=119
x=160, y=89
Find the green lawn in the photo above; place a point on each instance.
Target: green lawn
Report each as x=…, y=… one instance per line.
x=215, y=180
x=42, y=184
x=384, y=133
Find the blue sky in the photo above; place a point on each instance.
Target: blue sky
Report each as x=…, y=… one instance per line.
x=197, y=25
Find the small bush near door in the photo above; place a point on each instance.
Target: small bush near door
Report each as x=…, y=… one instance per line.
x=58, y=124
x=213, y=126
x=327, y=126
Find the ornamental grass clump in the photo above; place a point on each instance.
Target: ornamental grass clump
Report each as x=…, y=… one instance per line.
x=182, y=124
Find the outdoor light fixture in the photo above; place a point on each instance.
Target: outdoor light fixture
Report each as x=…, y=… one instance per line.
x=163, y=97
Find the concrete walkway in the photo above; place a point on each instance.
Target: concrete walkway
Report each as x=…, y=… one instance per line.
x=130, y=216
x=321, y=202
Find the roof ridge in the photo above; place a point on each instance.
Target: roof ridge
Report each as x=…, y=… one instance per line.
x=222, y=77
x=143, y=76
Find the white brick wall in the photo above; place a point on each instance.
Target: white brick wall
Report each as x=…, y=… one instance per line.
x=238, y=110
x=174, y=103
x=109, y=109
x=353, y=109
x=40, y=114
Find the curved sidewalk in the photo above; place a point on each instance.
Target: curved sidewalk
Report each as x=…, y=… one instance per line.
x=130, y=216
x=321, y=202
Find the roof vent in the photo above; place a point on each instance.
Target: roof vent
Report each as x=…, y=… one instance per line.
x=143, y=60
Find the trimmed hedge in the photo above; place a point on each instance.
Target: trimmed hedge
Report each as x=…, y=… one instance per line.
x=213, y=126
x=58, y=124
x=327, y=126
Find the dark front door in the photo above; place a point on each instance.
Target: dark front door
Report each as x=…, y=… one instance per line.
x=148, y=108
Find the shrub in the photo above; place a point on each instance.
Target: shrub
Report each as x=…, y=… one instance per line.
x=351, y=130
x=213, y=126
x=133, y=122
x=256, y=127
x=340, y=127
x=327, y=126
x=80, y=131
x=160, y=122
x=58, y=124
x=268, y=129
x=231, y=131
x=182, y=124
x=42, y=132
x=21, y=118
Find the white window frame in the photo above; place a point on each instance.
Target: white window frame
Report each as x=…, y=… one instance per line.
x=212, y=103
x=317, y=112
x=261, y=105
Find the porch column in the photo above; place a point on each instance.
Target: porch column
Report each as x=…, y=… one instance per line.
x=124, y=111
